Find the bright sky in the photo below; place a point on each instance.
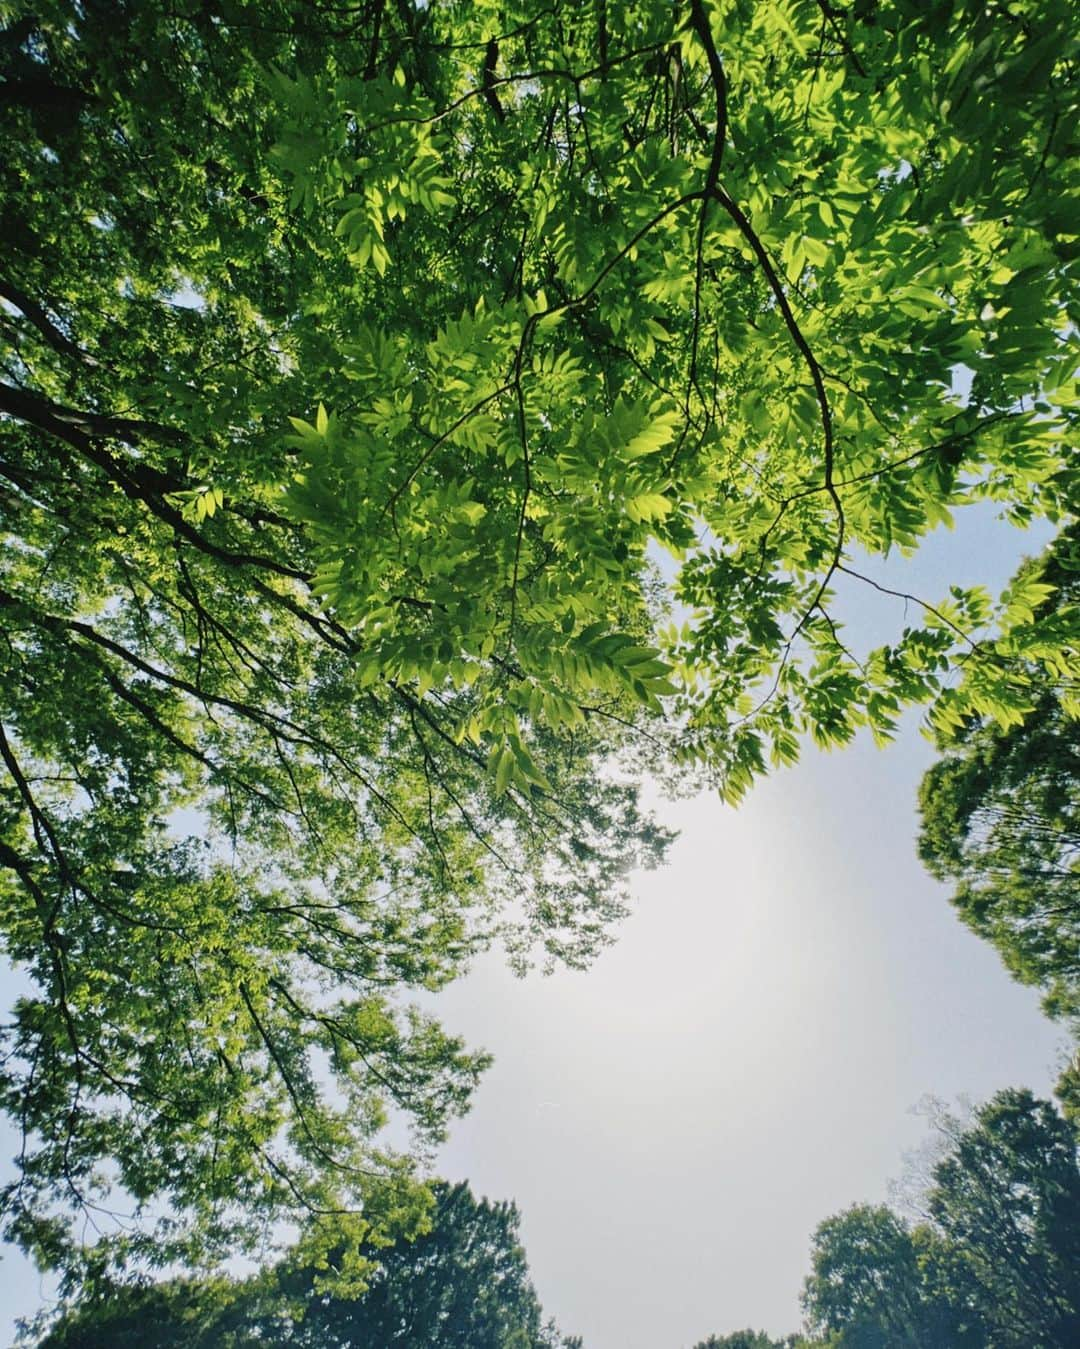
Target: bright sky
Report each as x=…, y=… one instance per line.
x=743, y=1063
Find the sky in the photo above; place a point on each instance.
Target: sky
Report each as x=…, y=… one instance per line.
x=745, y=1061
x=675, y=1122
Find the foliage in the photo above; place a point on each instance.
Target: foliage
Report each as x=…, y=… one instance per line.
x=177, y=1315
x=872, y=1285
x=995, y=1266
x=463, y=1285
x=357, y=362
x=740, y=1339
x=734, y=317
x=1001, y=814
x=226, y=852
x=1007, y=1199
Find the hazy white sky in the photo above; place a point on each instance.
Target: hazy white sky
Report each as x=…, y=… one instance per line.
x=674, y=1122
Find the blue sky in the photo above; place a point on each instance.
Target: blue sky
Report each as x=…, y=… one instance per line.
x=674, y=1122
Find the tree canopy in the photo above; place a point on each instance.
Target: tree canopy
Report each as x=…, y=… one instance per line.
x=1001, y=817
x=359, y=365
x=463, y=1285
x=740, y=1339
x=874, y=1286
x=995, y=1264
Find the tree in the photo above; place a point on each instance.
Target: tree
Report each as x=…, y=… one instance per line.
x=465, y=1283
x=996, y=1264
x=873, y=1286
x=1001, y=815
x=175, y=1315
x=168, y=672
x=295, y=712
x=740, y=1339
x=1007, y=1199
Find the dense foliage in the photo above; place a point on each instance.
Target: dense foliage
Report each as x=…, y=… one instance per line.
x=1001, y=817
x=740, y=1339
x=358, y=363
x=996, y=1264
x=463, y=1285
x=225, y=850
x=876, y=1285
